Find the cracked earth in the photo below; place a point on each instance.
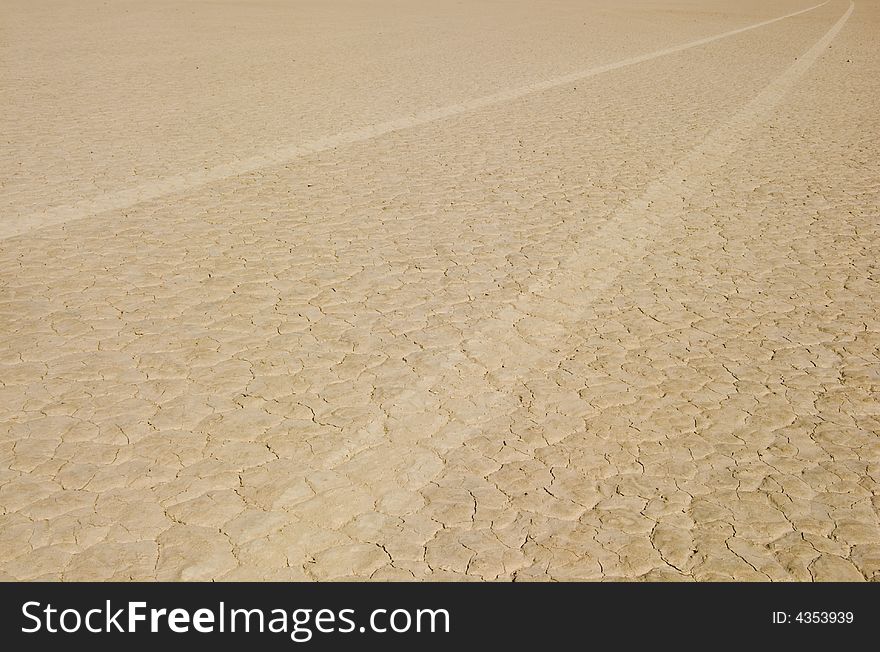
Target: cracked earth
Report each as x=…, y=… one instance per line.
x=440, y=291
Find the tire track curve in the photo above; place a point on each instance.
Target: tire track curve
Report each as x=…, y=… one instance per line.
x=122, y=199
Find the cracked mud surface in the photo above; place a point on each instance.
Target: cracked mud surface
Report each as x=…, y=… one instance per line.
x=624, y=327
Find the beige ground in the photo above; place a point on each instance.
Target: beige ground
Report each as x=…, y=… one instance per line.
x=437, y=290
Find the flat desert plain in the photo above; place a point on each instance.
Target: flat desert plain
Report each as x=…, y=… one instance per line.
x=439, y=290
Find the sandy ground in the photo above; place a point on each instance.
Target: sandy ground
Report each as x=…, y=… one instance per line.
x=439, y=290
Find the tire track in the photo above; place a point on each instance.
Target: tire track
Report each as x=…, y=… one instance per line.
x=127, y=198
x=586, y=273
